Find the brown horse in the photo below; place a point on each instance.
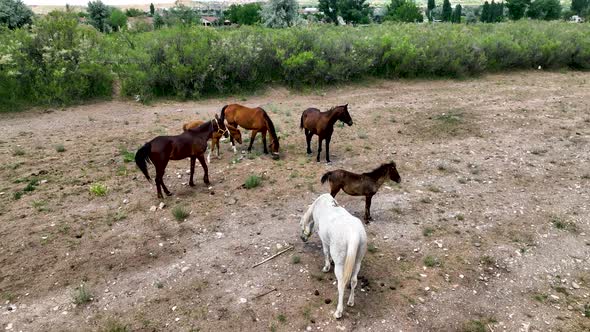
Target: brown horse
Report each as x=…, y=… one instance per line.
x=366, y=184
x=254, y=119
x=233, y=131
x=322, y=124
x=191, y=143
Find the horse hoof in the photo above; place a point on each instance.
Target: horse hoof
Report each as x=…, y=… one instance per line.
x=326, y=269
x=338, y=314
x=350, y=304
x=192, y=184
x=169, y=194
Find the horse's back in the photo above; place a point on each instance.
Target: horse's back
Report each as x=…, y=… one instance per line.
x=245, y=117
x=192, y=124
x=310, y=118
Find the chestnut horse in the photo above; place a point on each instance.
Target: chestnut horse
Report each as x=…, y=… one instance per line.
x=191, y=143
x=322, y=124
x=233, y=131
x=254, y=119
x=366, y=184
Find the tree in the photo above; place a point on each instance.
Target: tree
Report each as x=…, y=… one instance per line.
x=158, y=21
x=485, y=12
x=181, y=14
x=280, y=13
x=457, y=14
x=431, y=6
x=447, y=11
x=492, y=12
x=544, y=10
x=580, y=6
x=516, y=8
x=354, y=11
x=152, y=9
x=15, y=14
x=330, y=9
x=134, y=12
x=99, y=14
x=247, y=14
x=403, y=11
x=117, y=20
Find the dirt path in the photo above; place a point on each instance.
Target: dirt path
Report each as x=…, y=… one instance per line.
x=487, y=232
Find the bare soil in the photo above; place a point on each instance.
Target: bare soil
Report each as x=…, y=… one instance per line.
x=488, y=230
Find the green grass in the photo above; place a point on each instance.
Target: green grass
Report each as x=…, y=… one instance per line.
x=39, y=205
x=428, y=231
x=564, y=225
x=431, y=261
x=115, y=326
x=295, y=259
x=180, y=213
x=127, y=156
x=587, y=310
x=540, y=297
x=372, y=248
x=18, y=152
x=282, y=318
x=60, y=148
x=450, y=118
x=98, y=189
x=31, y=185
x=252, y=181
x=17, y=195
x=82, y=295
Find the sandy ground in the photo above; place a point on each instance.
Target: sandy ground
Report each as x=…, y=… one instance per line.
x=487, y=232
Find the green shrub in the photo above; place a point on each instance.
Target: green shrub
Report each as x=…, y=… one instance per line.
x=252, y=181
x=98, y=189
x=180, y=213
x=82, y=295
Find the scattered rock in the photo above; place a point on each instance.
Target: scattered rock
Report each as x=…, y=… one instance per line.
x=125, y=201
x=8, y=327
x=184, y=269
x=575, y=285
x=153, y=208
x=243, y=300
x=477, y=244
x=161, y=206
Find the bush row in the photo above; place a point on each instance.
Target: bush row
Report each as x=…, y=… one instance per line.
x=60, y=62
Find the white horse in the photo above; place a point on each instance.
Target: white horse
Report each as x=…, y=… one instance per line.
x=343, y=238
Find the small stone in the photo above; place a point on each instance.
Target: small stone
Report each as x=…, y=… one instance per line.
x=219, y=235
x=174, y=308
x=308, y=328
x=161, y=206
x=243, y=300
x=176, y=319
x=223, y=270
x=125, y=201
x=575, y=285
x=43, y=181
x=8, y=327
x=385, y=237
x=477, y=244
x=179, y=176
x=554, y=297
x=279, y=246
x=153, y=208
x=184, y=269
x=461, y=276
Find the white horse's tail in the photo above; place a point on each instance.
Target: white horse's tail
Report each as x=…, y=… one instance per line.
x=350, y=260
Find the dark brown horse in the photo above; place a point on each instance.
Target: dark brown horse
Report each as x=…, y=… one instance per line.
x=322, y=124
x=234, y=132
x=366, y=184
x=191, y=143
x=254, y=119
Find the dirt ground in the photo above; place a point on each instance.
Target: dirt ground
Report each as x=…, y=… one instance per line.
x=488, y=230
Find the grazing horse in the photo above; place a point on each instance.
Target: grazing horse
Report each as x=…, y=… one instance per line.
x=343, y=238
x=322, y=124
x=254, y=119
x=233, y=131
x=366, y=184
x=191, y=143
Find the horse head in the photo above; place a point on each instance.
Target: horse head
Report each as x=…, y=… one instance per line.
x=235, y=133
x=217, y=122
x=344, y=116
x=307, y=224
x=393, y=174
x=274, y=148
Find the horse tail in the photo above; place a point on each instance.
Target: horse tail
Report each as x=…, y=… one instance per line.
x=301, y=123
x=350, y=260
x=142, y=158
x=326, y=177
x=222, y=115
x=271, y=126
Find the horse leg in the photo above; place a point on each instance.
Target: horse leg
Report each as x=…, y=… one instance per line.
x=328, y=148
x=339, y=271
x=308, y=136
x=204, y=164
x=217, y=145
x=319, y=148
x=160, y=182
x=190, y=182
x=368, y=208
x=327, y=265
x=264, y=141
x=158, y=187
x=252, y=137
x=209, y=153
x=353, y=282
